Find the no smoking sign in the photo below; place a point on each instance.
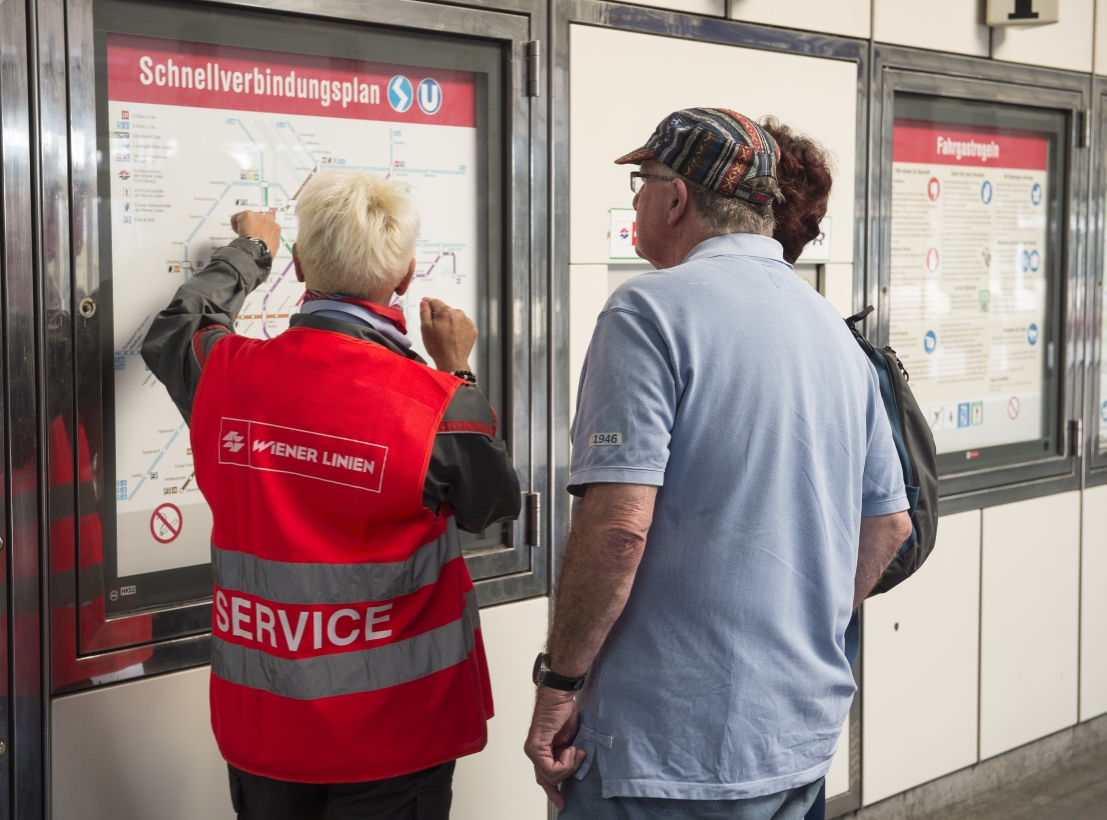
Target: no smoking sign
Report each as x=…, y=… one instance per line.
x=166, y=523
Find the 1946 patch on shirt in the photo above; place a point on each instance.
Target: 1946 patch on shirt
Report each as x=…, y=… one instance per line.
x=605, y=439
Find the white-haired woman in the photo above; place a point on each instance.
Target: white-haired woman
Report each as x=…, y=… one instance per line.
x=348, y=672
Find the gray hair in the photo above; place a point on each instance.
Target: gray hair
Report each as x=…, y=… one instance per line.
x=356, y=233
x=728, y=214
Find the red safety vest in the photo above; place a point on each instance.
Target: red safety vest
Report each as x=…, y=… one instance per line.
x=346, y=641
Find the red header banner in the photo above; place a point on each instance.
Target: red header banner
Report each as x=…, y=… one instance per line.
x=935, y=143
x=206, y=75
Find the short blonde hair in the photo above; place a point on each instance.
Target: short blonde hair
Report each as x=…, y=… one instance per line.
x=356, y=234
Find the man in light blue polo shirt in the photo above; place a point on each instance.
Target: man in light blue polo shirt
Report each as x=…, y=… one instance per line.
x=741, y=494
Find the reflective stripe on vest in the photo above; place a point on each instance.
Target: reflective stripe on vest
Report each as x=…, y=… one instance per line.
x=302, y=583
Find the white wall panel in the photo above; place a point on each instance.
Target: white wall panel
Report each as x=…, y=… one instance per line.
x=588, y=292
x=1093, y=597
x=849, y=18
x=837, y=779
x=498, y=783
x=139, y=750
x=1101, y=36
x=838, y=287
x=940, y=25
x=1067, y=44
x=610, y=116
x=1030, y=594
x=921, y=667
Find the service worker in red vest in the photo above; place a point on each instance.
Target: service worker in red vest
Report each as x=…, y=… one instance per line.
x=348, y=672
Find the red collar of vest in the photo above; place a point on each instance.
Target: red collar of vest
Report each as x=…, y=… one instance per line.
x=391, y=313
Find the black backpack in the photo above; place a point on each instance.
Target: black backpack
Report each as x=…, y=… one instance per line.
x=917, y=455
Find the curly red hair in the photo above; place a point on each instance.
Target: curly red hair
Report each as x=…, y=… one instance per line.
x=805, y=174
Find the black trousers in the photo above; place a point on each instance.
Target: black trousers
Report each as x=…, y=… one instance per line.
x=424, y=795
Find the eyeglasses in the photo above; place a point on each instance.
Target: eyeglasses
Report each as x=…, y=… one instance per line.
x=636, y=178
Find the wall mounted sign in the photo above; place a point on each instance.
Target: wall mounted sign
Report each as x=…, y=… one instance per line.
x=1023, y=12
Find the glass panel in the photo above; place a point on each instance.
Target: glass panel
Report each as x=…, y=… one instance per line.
x=976, y=268
x=205, y=112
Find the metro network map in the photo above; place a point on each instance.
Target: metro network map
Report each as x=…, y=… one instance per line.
x=198, y=132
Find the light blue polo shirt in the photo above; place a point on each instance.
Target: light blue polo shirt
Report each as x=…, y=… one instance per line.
x=733, y=386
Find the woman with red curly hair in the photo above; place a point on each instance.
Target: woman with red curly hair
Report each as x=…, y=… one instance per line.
x=804, y=173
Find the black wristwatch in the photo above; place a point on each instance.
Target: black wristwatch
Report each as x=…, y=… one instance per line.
x=261, y=244
x=544, y=676
x=466, y=375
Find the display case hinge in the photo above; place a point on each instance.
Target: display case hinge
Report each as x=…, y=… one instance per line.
x=534, y=68
x=1084, y=128
x=1076, y=434
x=534, y=519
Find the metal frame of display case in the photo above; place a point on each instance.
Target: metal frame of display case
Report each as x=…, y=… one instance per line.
x=707, y=30
x=945, y=75
x=180, y=633
x=21, y=718
x=1095, y=461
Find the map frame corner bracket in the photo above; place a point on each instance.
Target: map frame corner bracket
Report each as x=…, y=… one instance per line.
x=1076, y=428
x=1083, y=130
x=534, y=68
x=533, y=528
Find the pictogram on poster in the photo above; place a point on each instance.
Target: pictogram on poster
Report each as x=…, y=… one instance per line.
x=197, y=132
x=968, y=278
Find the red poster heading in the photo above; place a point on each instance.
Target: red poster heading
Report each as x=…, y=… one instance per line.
x=205, y=75
x=935, y=143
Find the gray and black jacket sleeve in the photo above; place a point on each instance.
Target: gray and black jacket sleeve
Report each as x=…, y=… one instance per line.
x=208, y=302
x=469, y=467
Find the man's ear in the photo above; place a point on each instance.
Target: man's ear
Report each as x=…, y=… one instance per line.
x=405, y=283
x=678, y=204
x=296, y=264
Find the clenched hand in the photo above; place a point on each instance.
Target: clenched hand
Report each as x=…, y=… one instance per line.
x=448, y=335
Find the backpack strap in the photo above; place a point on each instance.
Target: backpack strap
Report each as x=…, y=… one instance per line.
x=851, y=323
x=858, y=317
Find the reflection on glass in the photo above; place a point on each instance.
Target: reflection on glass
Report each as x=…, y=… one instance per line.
x=972, y=262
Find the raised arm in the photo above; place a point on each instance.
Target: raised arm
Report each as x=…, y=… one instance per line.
x=207, y=305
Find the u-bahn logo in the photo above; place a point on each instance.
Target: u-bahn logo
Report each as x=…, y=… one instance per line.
x=429, y=96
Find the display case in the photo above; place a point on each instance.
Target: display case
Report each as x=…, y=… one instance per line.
x=183, y=114
x=977, y=258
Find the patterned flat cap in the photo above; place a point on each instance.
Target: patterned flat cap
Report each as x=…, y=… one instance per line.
x=714, y=147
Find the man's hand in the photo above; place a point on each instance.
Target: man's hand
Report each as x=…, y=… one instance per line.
x=550, y=741
x=448, y=335
x=263, y=226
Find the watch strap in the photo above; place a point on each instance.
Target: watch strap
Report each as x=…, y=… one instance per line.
x=544, y=676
